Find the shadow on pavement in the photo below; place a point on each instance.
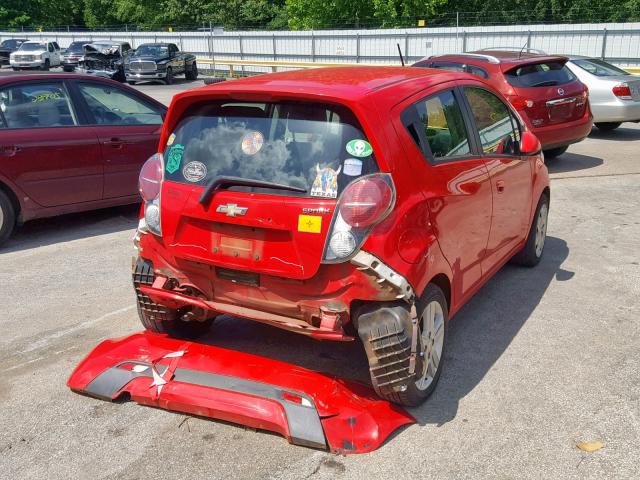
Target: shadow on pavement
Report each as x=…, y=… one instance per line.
x=479, y=335
x=64, y=228
x=624, y=133
x=571, y=162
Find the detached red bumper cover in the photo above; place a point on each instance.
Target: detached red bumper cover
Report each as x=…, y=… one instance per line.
x=306, y=407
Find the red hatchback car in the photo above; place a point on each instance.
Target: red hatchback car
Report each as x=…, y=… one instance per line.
x=70, y=143
x=367, y=202
x=545, y=92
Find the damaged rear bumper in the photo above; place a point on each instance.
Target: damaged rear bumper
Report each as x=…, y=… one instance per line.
x=306, y=407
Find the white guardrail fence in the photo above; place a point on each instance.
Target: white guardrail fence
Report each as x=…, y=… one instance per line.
x=618, y=43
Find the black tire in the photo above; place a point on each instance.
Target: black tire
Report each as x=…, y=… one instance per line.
x=131, y=82
x=168, y=79
x=191, y=71
x=607, y=126
x=46, y=65
x=68, y=69
x=555, y=152
x=158, y=318
x=530, y=255
x=120, y=76
x=16, y=69
x=7, y=217
x=414, y=396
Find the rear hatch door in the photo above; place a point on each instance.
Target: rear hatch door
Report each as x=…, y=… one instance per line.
x=556, y=95
x=267, y=229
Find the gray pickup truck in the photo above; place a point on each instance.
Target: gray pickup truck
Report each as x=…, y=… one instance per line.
x=159, y=61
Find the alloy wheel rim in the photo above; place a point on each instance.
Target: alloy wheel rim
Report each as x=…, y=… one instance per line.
x=541, y=229
x=432, y=343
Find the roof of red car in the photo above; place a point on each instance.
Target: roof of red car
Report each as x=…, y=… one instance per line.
x=337, y=82
x=42, y=76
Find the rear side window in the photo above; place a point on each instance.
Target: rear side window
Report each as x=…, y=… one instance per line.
x=545, y=74
x=599, y=68
x=318, y=147
x=111, y=106
x=443, y=125
x=453, y=66
x=480, y=72
x=39, y=105
x=499, y=130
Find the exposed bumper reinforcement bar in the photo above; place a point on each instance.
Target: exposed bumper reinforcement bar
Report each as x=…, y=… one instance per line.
x=306, y=407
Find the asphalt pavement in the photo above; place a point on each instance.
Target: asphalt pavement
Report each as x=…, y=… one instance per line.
x=538, y=361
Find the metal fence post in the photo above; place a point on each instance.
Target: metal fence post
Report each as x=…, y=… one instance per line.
x=357, y=48
x=313, y=47
x=273, y=42
x=604, y=44
x=464, y=41
x=529, y=39
x=241, y=51
x=406, y=46
x=211, y=54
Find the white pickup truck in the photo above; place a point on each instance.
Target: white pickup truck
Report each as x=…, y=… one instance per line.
x=41, y=55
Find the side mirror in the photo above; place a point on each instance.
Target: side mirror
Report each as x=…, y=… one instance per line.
x=529, y=144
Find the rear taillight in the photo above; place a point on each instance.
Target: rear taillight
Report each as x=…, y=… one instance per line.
x=521, y=103
x=622, y=91
x=150, y=185
x=363, y=204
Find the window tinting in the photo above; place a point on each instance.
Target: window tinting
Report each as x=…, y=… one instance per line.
x=453, y=66
x=443, y=124
x=305, y=145
x=545, y=74
x=112, y=106
x=499, y=130
x=481, y=72
x=37, y=106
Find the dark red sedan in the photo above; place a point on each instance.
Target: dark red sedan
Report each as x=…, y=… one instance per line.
x=70, y=143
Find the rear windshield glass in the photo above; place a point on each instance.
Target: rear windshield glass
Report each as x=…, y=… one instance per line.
x=76, y=47
x=546, y=74
x=317, y=147
x=599, y=68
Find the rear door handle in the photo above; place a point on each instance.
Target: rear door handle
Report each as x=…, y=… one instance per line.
x=500, y=186
x=9, y=150
x=114, y=142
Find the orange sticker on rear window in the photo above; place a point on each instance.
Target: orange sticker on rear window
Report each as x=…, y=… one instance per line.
x=309, y=223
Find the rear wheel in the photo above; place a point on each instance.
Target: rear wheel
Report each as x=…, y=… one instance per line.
x=434, y=317
x=192, y=71
x=158, y=318
x=555, y=152
x=607, y=126
x=16, y=69
x=7, y=217
x=67, y=69
x=169, y=78
x=46, y=65
x=532, y=252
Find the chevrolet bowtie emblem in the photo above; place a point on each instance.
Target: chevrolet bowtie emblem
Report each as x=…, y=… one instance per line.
x=231, y=209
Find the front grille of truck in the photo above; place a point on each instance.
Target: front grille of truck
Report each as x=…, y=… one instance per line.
x=142, y=66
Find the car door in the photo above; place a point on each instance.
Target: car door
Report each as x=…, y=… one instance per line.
x=499, y=136
x=177, y=61
x=43, y=147
x=439, y=142
x=57, y=57
x=128, y=128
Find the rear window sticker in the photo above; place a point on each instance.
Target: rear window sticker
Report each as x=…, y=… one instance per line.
x=309, y=223
x=174, y=158
x=194, y=171
x=359, y=148
x=171, y=139
x=352, y=167
x=252, y=143
x=326, y=183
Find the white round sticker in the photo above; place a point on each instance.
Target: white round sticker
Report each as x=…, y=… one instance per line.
x=194, y=171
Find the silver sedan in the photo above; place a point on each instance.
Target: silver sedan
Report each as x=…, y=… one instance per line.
x=614, y=94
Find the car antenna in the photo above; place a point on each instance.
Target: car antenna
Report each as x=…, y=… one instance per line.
x=400, y=53
x=523, y=47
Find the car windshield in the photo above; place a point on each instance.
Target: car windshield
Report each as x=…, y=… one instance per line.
x=31, y=47
x=543, y=74
x=153, y=50
x=316, y=147
x=599, y=68
x=105, y=48
x=11, y=43
x=76, y=47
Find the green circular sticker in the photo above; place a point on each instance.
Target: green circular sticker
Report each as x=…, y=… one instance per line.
x=359, y=148
x=174, y=158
